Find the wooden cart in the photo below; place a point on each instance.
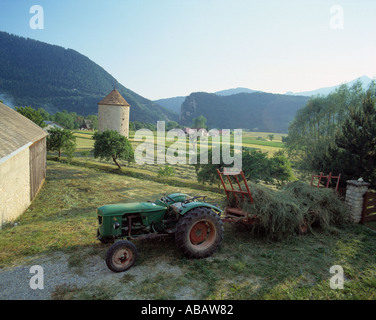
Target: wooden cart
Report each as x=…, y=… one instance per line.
x=236, y=214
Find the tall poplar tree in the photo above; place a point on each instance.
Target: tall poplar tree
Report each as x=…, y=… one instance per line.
x=354, y=152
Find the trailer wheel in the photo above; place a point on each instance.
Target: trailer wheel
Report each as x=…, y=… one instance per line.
x=121, y=256
x=199, y=233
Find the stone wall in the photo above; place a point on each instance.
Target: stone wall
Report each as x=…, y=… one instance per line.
x=355, y=192
x=113, y=118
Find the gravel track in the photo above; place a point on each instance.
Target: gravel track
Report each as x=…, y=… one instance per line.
x=15, y=281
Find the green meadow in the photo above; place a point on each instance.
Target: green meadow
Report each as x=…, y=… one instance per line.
x=247, y=266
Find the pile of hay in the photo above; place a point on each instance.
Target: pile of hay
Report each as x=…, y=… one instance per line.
x=296, y=207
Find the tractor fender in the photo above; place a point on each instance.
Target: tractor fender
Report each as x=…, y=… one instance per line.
x=191, y=205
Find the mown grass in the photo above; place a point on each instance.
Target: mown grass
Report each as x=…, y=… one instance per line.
x=275, y=144
x=64, y=213
x=62, y=218
x=249, y=268
x=249, y=139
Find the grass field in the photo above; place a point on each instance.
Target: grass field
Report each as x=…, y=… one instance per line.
x=62, y=219
x=249, y=139
x=183, y=173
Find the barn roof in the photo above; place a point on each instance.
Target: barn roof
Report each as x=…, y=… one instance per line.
x=114, y=98
x=16, y=131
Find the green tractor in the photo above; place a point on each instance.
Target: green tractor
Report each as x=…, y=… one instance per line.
x=196, y=225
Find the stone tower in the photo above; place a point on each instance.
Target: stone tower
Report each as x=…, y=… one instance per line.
x=113, y=114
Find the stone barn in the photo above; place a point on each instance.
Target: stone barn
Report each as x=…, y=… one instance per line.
x=22, y=163
x=113, y=113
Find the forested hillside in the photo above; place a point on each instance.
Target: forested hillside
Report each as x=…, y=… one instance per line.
x=38, y=74
x=258, y=111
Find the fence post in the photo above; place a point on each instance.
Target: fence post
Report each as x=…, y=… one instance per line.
x=355, y=191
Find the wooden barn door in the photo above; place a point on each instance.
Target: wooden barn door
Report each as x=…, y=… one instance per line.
x=37, y=166
x=369, y=207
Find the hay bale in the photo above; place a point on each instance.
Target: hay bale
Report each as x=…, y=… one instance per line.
x=324, y=206
x=284, y=212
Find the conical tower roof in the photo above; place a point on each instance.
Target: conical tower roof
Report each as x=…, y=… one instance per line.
x=114, y=98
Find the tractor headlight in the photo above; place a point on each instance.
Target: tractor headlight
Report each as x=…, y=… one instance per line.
x=116, y=225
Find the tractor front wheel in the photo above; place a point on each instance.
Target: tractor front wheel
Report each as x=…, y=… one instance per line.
x=104, y=240
x=121, y=256
x=199, y=233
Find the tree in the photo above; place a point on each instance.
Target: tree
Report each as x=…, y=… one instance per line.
x=281, y=169
x=172, y=125
x=256, y=165
x=32, y=114
x=314, y=127
x=271, y=137
x=94, y=121
x=137, y=125
x=45, y=115
x=110, y=144
x=65, y=119
x=61, y=140
x=354, y=152
x=207, y=173
x=199, y=122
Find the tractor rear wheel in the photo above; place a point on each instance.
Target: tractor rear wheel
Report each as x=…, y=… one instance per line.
x=121, y=256
x=199, y=233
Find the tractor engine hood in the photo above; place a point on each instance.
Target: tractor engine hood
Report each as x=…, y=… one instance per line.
x=123, y=208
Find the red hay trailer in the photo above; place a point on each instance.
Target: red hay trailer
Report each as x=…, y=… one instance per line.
x=236, y=214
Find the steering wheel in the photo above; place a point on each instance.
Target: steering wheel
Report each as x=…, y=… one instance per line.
x=168, y=198
x=194, y=198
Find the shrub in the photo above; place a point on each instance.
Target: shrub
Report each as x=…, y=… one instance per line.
x=166, y=172
x=256, y=165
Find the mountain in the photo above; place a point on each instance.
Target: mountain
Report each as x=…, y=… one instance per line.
x=175, y=103
x=6, y=100
x=172, y=104
x=38, y=74
x=325, y=91
x=230, y=92
x=258, y=111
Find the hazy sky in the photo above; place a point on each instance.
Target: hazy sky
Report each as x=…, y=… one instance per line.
x=166, y=48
